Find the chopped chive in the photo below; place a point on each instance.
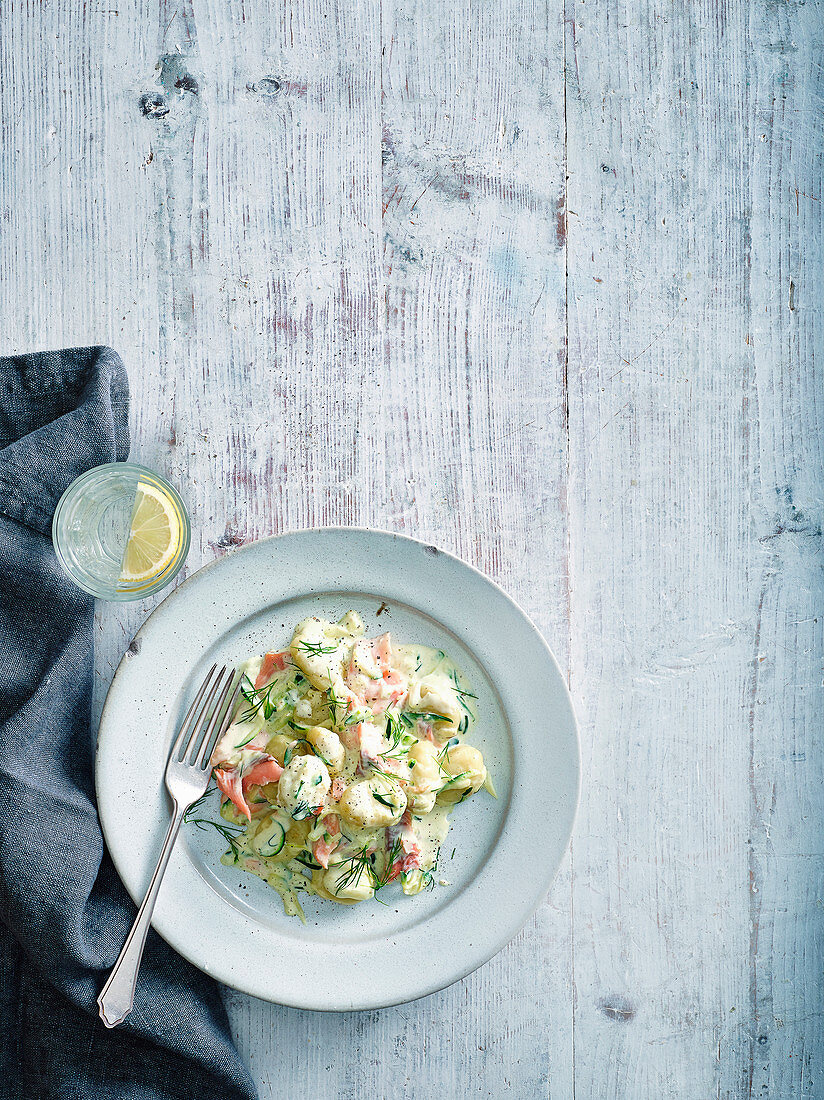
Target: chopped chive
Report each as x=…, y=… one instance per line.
x=458, y=689
x=427, y=716
x=384, y=801
x=304, y=741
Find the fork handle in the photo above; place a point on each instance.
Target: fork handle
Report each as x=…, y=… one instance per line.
x=117, y=996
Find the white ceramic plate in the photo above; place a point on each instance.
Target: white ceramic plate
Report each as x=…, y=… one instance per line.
x=506, y=852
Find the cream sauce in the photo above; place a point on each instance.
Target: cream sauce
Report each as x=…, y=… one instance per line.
x=378, y=813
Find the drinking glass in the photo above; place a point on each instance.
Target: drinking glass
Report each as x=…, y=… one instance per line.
x=91, y=527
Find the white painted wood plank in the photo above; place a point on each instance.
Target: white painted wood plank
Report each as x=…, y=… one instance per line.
x=661, y=618
x=786, y=461
x=677, y=239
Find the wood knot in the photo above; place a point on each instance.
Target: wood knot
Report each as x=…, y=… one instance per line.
x=791, y=520
x=560, y=221
x=230, y=538
x=187, y=83
x=153, y=105
x=618, y=1007
x=266, y=86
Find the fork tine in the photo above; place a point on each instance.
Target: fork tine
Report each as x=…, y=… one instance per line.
x=186, y=723
x=205, y=713
x=220, y=720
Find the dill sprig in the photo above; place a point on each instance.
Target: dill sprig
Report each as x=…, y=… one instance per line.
x=443, y=758
x=364, y=860
x=387, y=775
x=196, y=805
x=332, y=700
x=400, y=741
x=230, y=833
x=360, y=861
x=302, y=808
x=316, y=648
x=394, y=853
x=443, y=755
x=258, y=699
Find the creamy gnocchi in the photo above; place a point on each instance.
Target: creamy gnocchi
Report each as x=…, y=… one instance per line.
x=343, y=759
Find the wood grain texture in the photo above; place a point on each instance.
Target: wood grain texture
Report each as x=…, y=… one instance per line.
x=786, y=460
x=540, y=282
x=695, y=508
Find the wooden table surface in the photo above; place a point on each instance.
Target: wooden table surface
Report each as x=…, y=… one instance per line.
x=542, y=283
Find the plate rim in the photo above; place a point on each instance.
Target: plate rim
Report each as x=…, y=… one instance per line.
x=510, y=932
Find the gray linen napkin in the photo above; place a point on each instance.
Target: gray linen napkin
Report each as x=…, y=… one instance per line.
x=64, y=913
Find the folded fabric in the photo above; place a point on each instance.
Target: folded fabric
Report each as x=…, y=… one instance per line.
x=64, y=913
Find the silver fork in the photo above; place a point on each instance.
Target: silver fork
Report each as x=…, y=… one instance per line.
x=187, y=777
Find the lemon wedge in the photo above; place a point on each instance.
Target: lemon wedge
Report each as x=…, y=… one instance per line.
x=154, y=536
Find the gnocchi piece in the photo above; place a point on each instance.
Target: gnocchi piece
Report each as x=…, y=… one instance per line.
x=303, y=786
x=435, y=695
x=352, y=623
x=426, y=777
x=465, y=773
x=318, y=649
x=328, y=746
x=373, y=803
x=346, y=883
x=364, y=659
